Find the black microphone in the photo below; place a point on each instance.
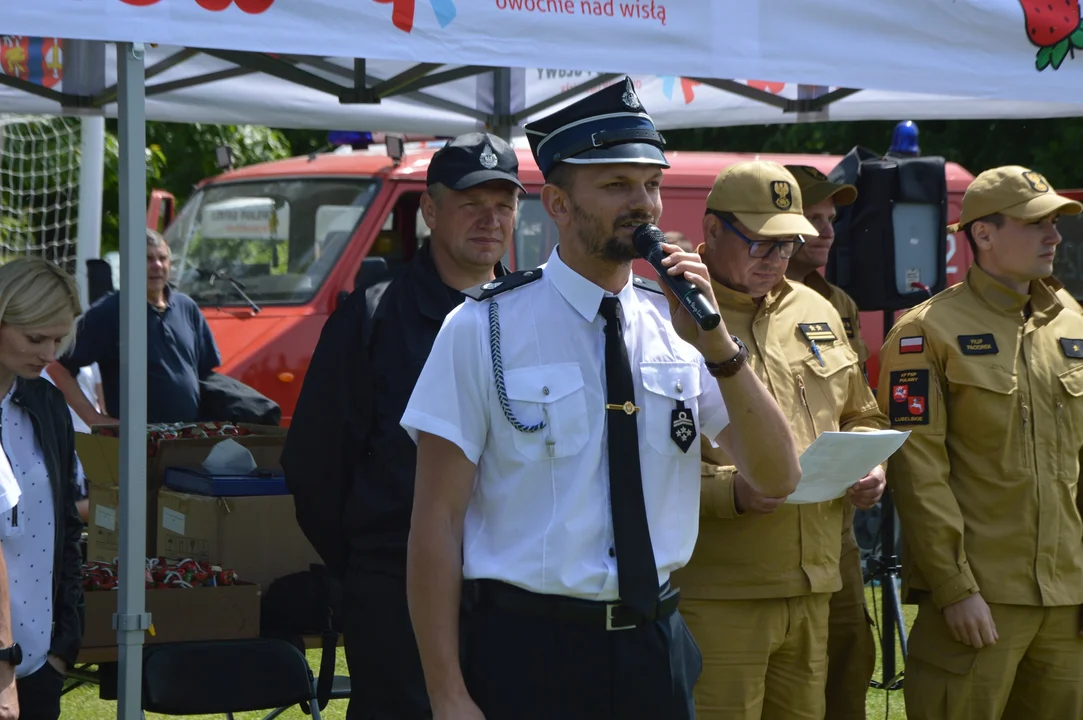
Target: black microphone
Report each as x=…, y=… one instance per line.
x=648, y=241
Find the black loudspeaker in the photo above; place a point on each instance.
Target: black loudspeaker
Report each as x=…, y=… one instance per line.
x=891, y=244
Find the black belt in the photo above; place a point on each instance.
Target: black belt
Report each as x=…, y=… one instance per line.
x=608, y=615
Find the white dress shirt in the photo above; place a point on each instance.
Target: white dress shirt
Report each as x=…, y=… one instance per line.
x=539, y=516
x=28, y=538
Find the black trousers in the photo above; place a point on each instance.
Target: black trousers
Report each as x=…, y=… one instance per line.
x=522, y=666
x=386, y=680
x=39, y=694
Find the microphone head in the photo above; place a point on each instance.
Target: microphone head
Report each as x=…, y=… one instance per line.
x=645, y=237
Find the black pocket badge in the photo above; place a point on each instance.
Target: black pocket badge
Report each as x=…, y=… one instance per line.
x=682, y=428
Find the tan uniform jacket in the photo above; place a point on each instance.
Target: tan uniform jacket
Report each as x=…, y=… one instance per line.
x=851, y=322
x=795, y=550
x=986, y=485
x=848, y=311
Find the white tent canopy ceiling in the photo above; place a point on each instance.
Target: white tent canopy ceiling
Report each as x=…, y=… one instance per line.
x=186, y=85
x=251, y=61
x=430, y=57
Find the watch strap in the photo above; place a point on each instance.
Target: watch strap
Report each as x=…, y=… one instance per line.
x=730, y=367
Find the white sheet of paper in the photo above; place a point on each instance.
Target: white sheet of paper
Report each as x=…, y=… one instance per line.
x=837, y=460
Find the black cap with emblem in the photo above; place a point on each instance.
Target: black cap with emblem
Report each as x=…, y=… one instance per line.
x=473, y=159
x=609, y=126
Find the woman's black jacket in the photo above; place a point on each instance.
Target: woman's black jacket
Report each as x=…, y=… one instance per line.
x=51, y=419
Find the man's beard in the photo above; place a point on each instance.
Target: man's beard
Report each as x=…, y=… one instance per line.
x=603, y=243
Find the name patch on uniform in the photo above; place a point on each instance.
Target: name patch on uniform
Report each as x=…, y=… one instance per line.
x=911, y=345
x=909, y=397
x=984, y=344
x=817, y=332
x=848, y=326
x=1073, y=348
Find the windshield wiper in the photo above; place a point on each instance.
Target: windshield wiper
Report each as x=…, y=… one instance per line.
x=237, y=285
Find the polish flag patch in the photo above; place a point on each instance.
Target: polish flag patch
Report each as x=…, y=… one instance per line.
x=911, y=345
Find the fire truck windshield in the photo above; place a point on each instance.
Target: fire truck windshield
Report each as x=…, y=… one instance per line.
x=277, y=240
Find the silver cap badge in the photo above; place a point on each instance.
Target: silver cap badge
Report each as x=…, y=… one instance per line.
x=630, y=99
x=488, y=158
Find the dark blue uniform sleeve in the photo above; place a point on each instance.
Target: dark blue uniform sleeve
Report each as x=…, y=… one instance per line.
x=327, y=426
x=98, y=329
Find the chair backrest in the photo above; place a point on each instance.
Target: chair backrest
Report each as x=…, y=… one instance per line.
x=224, y=676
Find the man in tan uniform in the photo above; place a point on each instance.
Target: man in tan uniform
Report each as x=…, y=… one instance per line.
x=988, y=376
x=757, y=589
x=851, y=646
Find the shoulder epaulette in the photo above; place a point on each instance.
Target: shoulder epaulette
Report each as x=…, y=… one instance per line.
x=648, y=285
x=503, y=284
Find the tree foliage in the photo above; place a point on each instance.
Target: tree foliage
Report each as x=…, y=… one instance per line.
x=180, y=156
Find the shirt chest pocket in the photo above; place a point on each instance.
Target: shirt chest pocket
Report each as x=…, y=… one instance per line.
x=550, y=394
x=667, y=386
x=1070, y=411
x=824, y=386
x=986, y=394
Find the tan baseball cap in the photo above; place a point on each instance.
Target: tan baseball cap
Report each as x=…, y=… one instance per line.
x=764, y=196
x=1014, y=191
x=815, y=187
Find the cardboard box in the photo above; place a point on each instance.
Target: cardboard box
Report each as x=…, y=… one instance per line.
x=257, y=536
x=100, y=456
x=103, y=529
x=202, y=613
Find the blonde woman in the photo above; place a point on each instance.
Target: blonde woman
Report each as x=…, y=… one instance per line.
x=39, y=536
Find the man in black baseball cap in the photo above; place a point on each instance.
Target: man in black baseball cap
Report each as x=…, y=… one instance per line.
x=348, y=463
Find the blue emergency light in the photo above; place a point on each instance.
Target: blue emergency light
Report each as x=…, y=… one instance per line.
x=352, y=138
x=904, y=141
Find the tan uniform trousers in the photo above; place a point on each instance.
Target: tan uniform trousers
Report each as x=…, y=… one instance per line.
x=761, y=658
x=1033, y=672
x=851, y=645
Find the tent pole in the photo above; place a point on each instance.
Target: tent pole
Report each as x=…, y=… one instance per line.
x=502, y=103
x=131, y=619
x=91, y=179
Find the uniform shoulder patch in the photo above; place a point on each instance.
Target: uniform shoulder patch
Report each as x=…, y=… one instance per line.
x=909, y=397
x=848, y=326
x=817, y=332
x=645, y=284
x=984, y=344
x=503, y=284
x=1072, y=348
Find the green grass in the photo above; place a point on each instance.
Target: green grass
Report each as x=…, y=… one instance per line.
x=83, y=702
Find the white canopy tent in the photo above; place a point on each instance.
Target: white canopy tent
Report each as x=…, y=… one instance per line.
x=987, y=50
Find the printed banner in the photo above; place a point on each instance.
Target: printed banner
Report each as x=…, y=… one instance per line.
x=998, y=49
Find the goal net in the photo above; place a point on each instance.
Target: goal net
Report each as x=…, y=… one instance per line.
x=39, y=187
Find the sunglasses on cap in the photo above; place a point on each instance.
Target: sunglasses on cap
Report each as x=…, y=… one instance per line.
x=761, y=249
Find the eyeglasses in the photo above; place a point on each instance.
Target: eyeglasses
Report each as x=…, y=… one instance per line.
x=761, y=249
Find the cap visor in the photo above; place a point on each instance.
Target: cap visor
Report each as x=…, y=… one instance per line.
x=777, y=224
x=478, y=177
x=644, y=153
x=1043, y=205
x=843, y=194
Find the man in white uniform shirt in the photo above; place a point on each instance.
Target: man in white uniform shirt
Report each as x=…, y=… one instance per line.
x=556, y=420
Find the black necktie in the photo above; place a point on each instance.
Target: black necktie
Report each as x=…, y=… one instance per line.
x=637, y=573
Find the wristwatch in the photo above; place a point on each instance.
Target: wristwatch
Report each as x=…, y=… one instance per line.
x=730, y=367
x=13, y=654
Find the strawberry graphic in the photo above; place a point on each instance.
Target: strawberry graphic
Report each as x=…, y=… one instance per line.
x=1053, y=26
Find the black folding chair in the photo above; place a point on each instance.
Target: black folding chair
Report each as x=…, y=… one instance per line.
x=227, y=676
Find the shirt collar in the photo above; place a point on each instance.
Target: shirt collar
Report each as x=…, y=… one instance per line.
x=582, y=294
x=737, y=300
x=433, y=300
x=1042, y=297
x=817, y=282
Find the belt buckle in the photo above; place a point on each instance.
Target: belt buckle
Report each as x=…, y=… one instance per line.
x=609, y=608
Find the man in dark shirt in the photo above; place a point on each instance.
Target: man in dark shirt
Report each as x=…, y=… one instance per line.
x=348, y=462
x=180, y=350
